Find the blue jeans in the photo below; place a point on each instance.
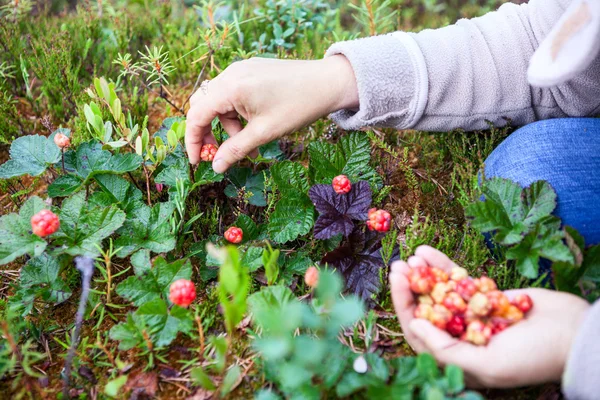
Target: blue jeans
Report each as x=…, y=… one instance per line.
x=564, y=152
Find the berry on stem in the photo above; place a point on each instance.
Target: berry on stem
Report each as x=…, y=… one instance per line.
x=44, y=223
x=311, y=276
x=234, y=234
x=208, y=151
x=341, y=184
x=182, y=292
x=379, y=220
x=62, y=141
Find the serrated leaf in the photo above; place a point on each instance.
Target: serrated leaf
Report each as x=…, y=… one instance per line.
x=254, y=185
x=293, y=217
x=247, y=226
x=84, y=226
x=90, y=159
x=16, y=238
x=30, y=155
x=290, y=177
x=147, y=228
x=322, y=165
x=140, y=260
x=171, y=174
x=336, y=211
x=205, y=174
x=42, y=275
x=64, y=185
x=155, y=283
x=119, y=190
x=360, y=262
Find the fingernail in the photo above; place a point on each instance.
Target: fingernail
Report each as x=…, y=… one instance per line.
x=219, y=166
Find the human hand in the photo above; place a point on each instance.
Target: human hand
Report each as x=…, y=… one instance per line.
x=533, y=351
x=276, y=97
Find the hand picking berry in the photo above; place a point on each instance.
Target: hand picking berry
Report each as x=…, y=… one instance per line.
x=44, y=223
x=182, y=292
x=62, y=140
x=208, y=151
x=234, y=234
x=341, y=184
x=311, y=277
x=379, y=220
x=470, y=309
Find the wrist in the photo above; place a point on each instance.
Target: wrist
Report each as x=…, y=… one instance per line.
x=339, y=76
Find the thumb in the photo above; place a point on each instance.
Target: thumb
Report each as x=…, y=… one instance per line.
x=434, y=339
x=239, y=146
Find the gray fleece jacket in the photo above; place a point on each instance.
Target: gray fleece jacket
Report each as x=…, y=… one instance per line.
x=521, y=63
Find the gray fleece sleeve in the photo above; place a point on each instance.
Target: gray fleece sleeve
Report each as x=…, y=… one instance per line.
x=581, y=379
x=464, y=74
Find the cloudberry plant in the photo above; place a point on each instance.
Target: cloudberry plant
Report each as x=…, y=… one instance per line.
x=341, y=184
x=44, y=223
x=208, y=151
x=234, y=234
x=182, y=292
x=379, y=220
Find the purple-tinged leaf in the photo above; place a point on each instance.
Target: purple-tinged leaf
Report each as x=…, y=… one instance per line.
x=359, y=260
x=336, y=211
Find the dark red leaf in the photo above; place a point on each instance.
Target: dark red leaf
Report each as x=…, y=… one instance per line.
x=336, y=211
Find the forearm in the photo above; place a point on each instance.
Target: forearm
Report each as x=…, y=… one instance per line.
x=463, y=75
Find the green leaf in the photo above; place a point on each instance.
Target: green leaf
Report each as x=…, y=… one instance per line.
x=254, y=185
x=352, y=157
x=270, y=297
x=114, y=386
x=591, y=264
x=205, y=174
x=42, y=274
x=199, y=377
x=156, y=282
x=84, y=226
x=347, y=311
x=427, y=366
x=64, y=185
x=455, y=377
x=171, y=174
x=119, y=191
x=294, y=216
x=540, y=200
x=147, y=228
x=322, y=167
x=16, y=238
x=232, y=377
x=252, y=258
x=141, y=262
x=290, y=177
x=248, y=227
x=265, y=394
x=90, y=159
x=30, y=155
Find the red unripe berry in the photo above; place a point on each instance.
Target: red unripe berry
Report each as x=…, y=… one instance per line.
x=454, y=303
x=480, y=305
x=234, y=234
x=440, y=316
x=208, y=151
x=341, y=184
x=379, y=220
x=478, y=333
x=44, y=223
x=62, y=140
x=498, y=325
x=485, y=284
x=440, y=275
x=458, y=273
x=456, y=326
x=466, y=288
x=421, y=280
x=182, y=292
x=423, y=311
x=311, y=277
x=523, y=302
x=498, y=301
x=159, y=187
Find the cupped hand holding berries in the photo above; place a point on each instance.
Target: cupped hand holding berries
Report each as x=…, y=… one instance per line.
x=532, y=351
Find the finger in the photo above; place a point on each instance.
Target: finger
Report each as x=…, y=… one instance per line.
x=416, y=262
x=435, y=258
x=404, y=302
x=231, y=123
x=239, y=146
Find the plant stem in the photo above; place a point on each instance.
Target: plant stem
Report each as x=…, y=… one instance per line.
x=108, y=263
x=201, y=334
x=147, y=185
x=62, y=154
x=85, y=265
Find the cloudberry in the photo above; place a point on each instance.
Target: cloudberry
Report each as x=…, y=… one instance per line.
x=480, y=304
x=341, y=184
x=478, y=333
x=421, y=280
x=44, y=223
x=311, y=276
x=182, y=292
x=458, y=273
x=466, y=288
x=454, y=303
x=62, y=140
x=440, y=274
x=208, y=151
x=513, y=314
x=523, y=302
x=485, y=284
x=379, y=220
x=439, y=292
x=423, y=311
x=498, y=325
x=440, y=316
x=498, y=301
x=456, y=326
x=234, y=234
